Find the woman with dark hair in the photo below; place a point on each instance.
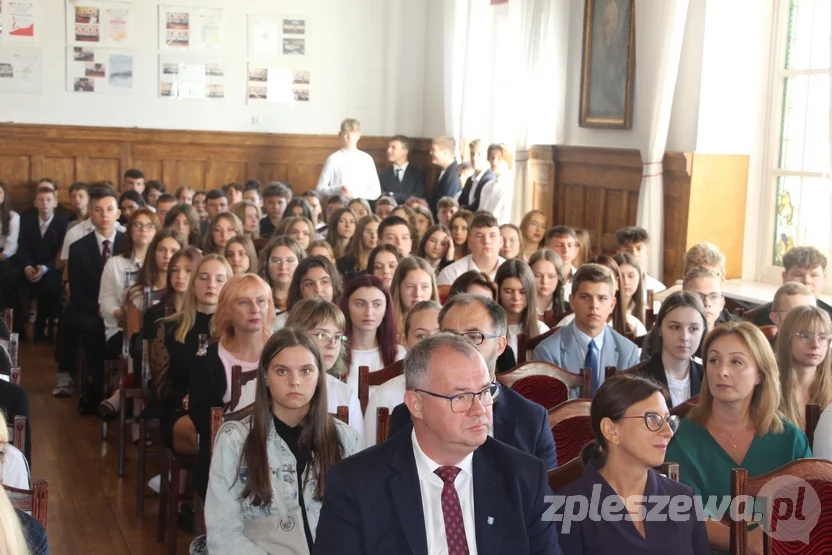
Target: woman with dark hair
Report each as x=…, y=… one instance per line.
x=313, y=199
x=153, y=189
x=315, y=278
x=459, y=226
x=436, y=247
x=341, y=230
x=199, y=201
x=681, y=328
x=371, y=326
x=516, y=294
x=382, y=263
x=240, y=253
x=184, y=219
x=360, y=207
x=278, y=261
x=631, y=285
x=249, y=214
x=300, y=229
x=547, y=268
x=248, y=504
x=298, y=207
x=362, y=243
x=424, y=219
x=180, y=269
x=474, y=283
x=220, y=230
x=129, y=202
x=9, y=225
x=632, y=428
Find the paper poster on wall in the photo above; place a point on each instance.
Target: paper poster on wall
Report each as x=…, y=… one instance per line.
x=99, y=70
x=276, y=84
x=107, y=24
x=189, y=29
x=263, y=35
x=20, y=70
x=188, y=78
x=17, y=21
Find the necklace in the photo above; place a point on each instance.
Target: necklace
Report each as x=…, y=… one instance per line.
x=730, y=438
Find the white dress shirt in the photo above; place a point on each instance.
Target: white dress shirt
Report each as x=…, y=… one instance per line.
x=431, y=487
x=567, y=286
x=113, y=286
x=632, y=321
x=9, y=242
x=354, y=169
x=497, y=197
x=338, y=394
x=44, y=224
x=475, y=185
x=79, y=231
x=390, y=394
x=112, y=239
x=652, y=284
x=399, y=171
x=822, y=448
x=464, y=264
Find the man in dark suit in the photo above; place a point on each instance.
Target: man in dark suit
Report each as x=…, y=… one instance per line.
x=517, y=421
x=402, y=180
x=41, y=238
x=60, y=210
x=82, y=321
x=443, y=154
x=14, y=401
x=470, y=197
x=446, y=486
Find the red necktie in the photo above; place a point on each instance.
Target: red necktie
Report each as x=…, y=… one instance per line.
x=452, y=512
x=105, y=252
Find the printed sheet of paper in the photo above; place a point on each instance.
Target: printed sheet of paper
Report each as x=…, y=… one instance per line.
x=107, y=24
x=21, y=70
x=17, y=21
x=99, y=70
x=191, y=78
x=189, y=29
x=263, y=35
x=276, y=84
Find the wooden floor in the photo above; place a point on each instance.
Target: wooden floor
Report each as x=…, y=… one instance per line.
x=91, y=510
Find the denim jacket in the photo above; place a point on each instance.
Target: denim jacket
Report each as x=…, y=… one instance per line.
x=225, y=513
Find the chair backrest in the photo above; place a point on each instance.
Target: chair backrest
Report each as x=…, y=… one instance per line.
x=8, y=316
x=609, y=372
x=14, y=375
x=565, y=473
x=238, y=380
x=525, y=345
x=769, y=331
x=382, y=424
x=786, y=507
x=649, y=312
x=571, y=428
x=812, y=417
x=342, y=413
x=670, y=470
x=682, y=410
x=14, y=348
x=33, y=500
x=582, y=381
x=366, y=379
x=17, y=432
x=639, y=341
x=218, y=417
x=552, y=318
x=635, y=369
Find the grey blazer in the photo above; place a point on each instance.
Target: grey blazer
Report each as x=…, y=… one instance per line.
x=563, y=349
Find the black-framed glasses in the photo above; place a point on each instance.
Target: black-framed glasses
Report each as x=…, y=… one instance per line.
x=475, y=337
x=655, y=421
x=462, y=402
x=329, y=338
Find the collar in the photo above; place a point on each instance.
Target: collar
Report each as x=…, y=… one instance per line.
x=583, y=339
x=45, y=222
x=100, y=238
x=403, y=167
x=426, y=466
x=478, y=176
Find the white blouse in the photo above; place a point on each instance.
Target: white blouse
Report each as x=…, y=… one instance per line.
x=516, y=329
x=9, y=242
x=371, y=359
x=822, y=447
x=111, y=292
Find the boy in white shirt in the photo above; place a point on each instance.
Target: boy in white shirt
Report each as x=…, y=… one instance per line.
x=350, y=172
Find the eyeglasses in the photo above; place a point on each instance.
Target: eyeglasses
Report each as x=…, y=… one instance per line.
x=655, y=421
x=808, y=338
x=329, y=338
x=463, y=402
x=281, y=261
x=710, y=298
x=138, y=226
x=475, y=337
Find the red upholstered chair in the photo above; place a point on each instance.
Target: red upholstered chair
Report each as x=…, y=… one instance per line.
x=17, y=432
x=571, y=428
x=551, y=386
x=366, y=379
x=342, y=413
x=15, y=374
x=786, y=501
x=444, y=293
x=649, y=313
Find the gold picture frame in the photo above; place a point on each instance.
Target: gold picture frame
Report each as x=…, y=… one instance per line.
x=608, y=64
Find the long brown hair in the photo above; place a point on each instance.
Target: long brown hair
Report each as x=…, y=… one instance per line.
x=521, y=271
x=637, y=302
x=150, y=269
x=319, y=441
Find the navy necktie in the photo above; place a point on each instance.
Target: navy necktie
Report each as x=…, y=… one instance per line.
x=591, y=362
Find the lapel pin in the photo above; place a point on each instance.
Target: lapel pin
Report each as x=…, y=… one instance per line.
x=490, y=520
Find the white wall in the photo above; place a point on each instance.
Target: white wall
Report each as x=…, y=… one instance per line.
x=355, y=50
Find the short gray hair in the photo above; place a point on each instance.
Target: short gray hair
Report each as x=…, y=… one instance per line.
x=418, y=360
x=496, y=313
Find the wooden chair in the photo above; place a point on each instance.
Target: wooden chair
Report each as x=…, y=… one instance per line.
x=382, y=424
x=218, y=418
x=769, y=331
x=749, y=315
x=649, y=312
x=525, y=346
x=14, y=348
x=8, y=316
x=367, y=379
x=33, y=500
x=552, y=318
x=785, y=499
x=682, y=410
x=14, y=375
x=565, y=473
x=342, y=413
x=609, y=372
x=260, y=243
x=238, y=380
x=812, y=416
x=571, y=428
x=444, y=293
x=17, y=432
x=639, y=341
x=545, y=383
x=635, y=369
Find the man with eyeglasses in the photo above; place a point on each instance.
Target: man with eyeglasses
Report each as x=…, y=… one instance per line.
x=517, y=421
x=445, y=486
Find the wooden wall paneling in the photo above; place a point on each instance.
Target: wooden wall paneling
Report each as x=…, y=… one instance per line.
x=152, y=169
x=304, y=176
x=191, y=172
x=221, y=172
x=61, y=169
x=542, y=178
x=125, y=159
x=677, y=188
x=17, y=172
x=102, y=169
x=169, y=176
x=268, y=172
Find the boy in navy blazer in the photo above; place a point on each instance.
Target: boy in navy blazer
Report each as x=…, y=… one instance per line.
x=588, y=342
x=443, y=154
x=41, y=237
x=402, y=179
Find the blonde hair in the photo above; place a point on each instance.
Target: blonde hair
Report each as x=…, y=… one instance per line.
x=704, y=254
x=209, y=247
x=307, y=314
x=12, y=539
x=765, y=400
x=239, y=210
x=186, y=318
x=222, y=325
x=349, y=125
x=814, y=320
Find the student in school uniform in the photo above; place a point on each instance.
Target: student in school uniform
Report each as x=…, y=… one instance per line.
x=484, y=243
x=636, y=241
x=276, y=197
x=481, y=174
x=350, y=172
x=443, y=154
x=401, y=180
x=564, y=241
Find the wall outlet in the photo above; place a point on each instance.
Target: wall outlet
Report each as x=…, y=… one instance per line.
x=255, y=120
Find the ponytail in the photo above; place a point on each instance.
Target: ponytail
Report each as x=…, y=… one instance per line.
x=594, y=451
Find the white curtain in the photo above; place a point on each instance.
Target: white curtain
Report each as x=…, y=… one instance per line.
x=540, y=81
x=658, y=66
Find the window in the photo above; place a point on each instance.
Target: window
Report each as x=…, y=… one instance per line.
x=799, y=149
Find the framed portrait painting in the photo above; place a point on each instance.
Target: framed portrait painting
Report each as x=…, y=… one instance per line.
x=607, y=64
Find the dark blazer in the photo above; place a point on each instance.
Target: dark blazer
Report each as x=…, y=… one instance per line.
x=206, y=388
x=447, y=186
x=596, y=535
x=35, y=250
x=654, y=369
x=372, y=503
x=14, y=401
x=267, y=228
x=412, y=183
x=85, y=265
x=517, y=422
x=61, y=211
x=465, y=197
